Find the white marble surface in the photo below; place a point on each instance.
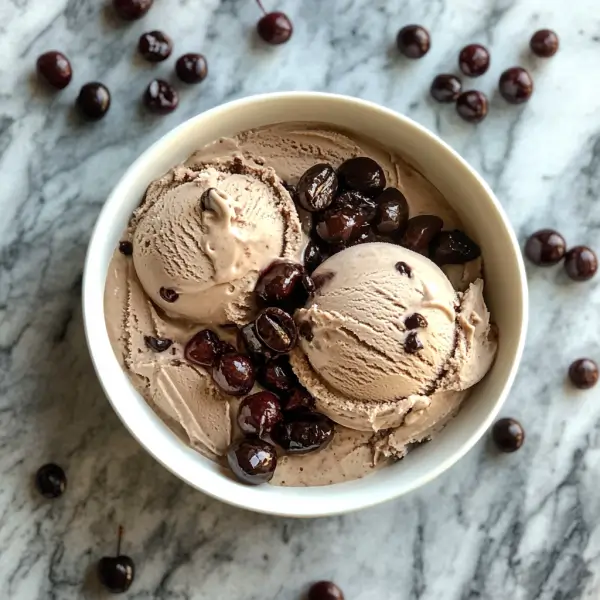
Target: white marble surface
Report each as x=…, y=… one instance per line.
x=524, y=526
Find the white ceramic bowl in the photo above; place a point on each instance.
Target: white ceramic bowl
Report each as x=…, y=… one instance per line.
x=467, y=193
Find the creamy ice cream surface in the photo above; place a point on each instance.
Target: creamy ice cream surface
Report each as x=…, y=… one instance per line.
x=389, y=343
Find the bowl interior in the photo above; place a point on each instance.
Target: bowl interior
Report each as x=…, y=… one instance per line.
x=465, y=191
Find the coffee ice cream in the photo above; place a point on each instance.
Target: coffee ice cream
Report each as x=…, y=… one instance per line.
x=209, y=286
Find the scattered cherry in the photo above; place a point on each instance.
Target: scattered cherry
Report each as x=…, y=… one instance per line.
x=419, y=232
x=415, y=321
x=51, y=481
x=55, y=68
x=453, y=248
x=508, y=435
x=545, y=247
x=474, y=60
x=472, y=106
x=583, y=373
x=445, y=88
x=259, y=413
x=413, y=41
x=252, y=461
x=248, y=340
x=155, y=46
x=284, y=284
x=356, y=200
x=325, y=590
x=412, y=343
x=126, y=248
x=274, y=27
x=362, y=174
x=117, y=573
x=161, y=97
x=392, y=211
x=310, y=432
x=516, y=85
x=130, y=10
x=276, y=329
x=317, y=187
x=191, y=68
x=203, y=348
x=277, y=375
x=314, y=255
x=581, y=263
x=544, y=43
x=234, y=373
x=157, y=344
x=168, y=294
x=93, y=100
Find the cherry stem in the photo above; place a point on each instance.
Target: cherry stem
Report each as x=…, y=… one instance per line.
x=261, y=6
x=119, y=540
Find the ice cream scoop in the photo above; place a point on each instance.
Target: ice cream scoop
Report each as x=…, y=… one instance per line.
x=201, y=238
x=381, y=336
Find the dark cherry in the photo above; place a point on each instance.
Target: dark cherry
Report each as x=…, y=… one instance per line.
x=340, y=226
x=516, y=85
x=51, y=481
x=412, y=343
x=300, y=400
x=252, y=461
x=161, y=97
x=284, y=284
x=277, y=375
x=419, y=232
x=366, y=235
x=358, y=200
x=93, y=100
x=168, y=294
x=274, y=27
x=203, y=348
x=276, y=329
x=254, y=347
x=314, y=255
x=413, y=41
x=116, y=573
x=453, y=248
x=234, y=373
x=581, y=263
x=392, y=211
x=404, y=269
x=472, y=106
x=55, y=68
x=445, y=88
x=191, y=68
x=155, y=46
x=310, y=432
x=126, y=248
x=545, y=247
x=157, y=344
x=362, y=174
x=474, y=60
x=317, y=187
x=259, y=413
x=583, y=373
x=416, y=321
x=305, y=330
x=544, y=43
x=130, y=10
x=325, y=590
x=508, y=435
x=226, y=348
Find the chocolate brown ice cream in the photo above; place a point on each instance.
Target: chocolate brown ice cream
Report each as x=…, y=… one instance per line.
x=201, y=237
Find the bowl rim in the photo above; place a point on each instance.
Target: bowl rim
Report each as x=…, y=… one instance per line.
x=91, y=304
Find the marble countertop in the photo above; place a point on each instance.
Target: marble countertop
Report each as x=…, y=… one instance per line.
x=523, y=526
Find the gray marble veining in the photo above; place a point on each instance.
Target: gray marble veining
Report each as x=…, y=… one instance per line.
x=524, y=527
